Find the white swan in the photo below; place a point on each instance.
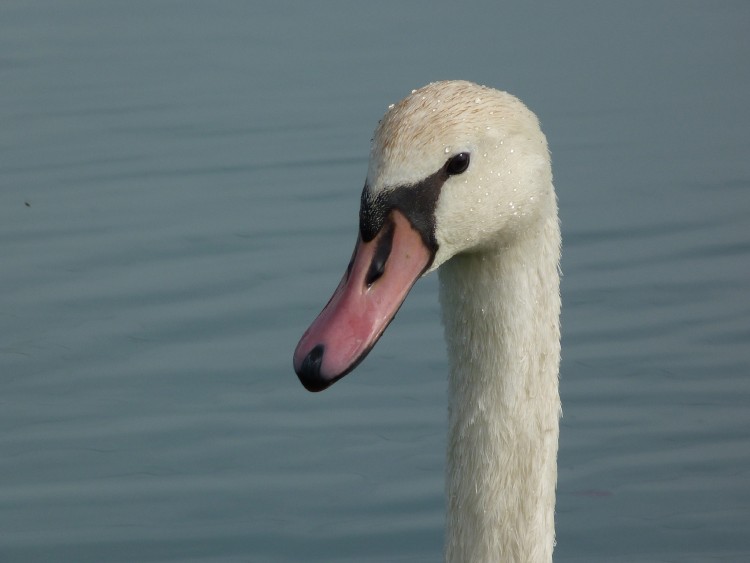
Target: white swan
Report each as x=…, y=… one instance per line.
x=460, y=177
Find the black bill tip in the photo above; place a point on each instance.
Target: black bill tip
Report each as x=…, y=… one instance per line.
x=309, y=370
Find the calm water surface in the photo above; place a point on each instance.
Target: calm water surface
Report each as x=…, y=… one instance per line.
x=179, y=184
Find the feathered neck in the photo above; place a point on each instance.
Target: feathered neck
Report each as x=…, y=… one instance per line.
x=501, y=309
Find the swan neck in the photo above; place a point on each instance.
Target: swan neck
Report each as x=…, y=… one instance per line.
x=501, y=312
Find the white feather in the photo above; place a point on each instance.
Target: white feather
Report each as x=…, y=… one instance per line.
x=499, y=251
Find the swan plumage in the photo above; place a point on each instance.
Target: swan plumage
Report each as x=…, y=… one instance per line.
x=460, y=180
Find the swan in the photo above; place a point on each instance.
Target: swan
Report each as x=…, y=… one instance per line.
x=460, y=179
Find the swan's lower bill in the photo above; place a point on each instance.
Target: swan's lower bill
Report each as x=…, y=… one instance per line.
x=377, y=281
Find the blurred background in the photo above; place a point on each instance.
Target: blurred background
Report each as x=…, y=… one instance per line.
x=179, y=186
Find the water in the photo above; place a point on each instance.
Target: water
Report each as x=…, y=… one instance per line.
x=179, y=186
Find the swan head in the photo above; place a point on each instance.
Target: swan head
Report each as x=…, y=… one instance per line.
x=454, y=167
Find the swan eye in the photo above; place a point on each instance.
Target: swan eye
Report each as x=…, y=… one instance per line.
x=457, y=164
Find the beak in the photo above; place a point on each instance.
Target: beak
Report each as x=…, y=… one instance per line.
x=375, y=284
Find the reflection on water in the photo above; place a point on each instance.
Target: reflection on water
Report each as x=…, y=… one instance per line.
x=178, y=196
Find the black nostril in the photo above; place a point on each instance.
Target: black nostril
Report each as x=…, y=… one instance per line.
x=382, y=252
x=309, y=371
x=375, y=272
